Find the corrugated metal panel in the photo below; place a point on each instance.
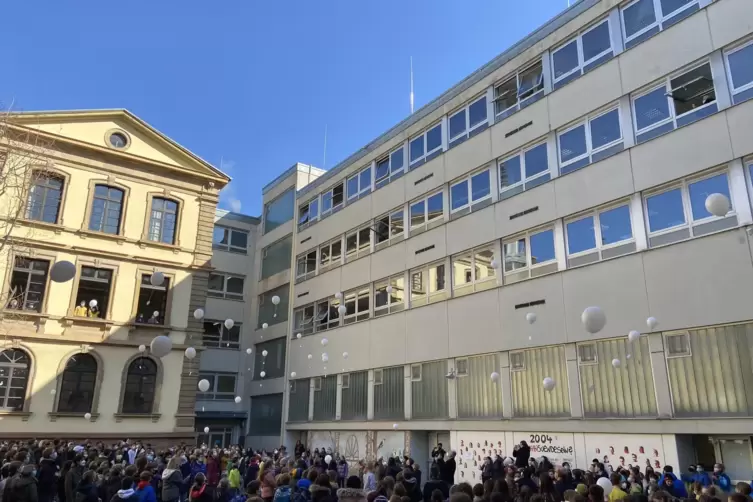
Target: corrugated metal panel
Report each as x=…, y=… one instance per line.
x=325, y=400
x=266, y=414
x=429, y=395
x=477, y=395
x=716, y=378
x=529, y=399
x=627, y=391
x=389, y=396
x=298, y=407
x=355, y=398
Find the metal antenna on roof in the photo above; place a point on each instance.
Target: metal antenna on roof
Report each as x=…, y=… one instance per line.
x=324, y=160
x=411, y=83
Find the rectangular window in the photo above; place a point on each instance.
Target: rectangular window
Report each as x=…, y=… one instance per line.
x=678, y=345
x=468, y=122
x=357, y=243
x=357, y=305
x=359, y=184
x=163, y=220
x=426, y=146
x=679, y=100
x=415, y=372
x=389, y=295
x=305, y=266
x=471, y=193
x=303, y=320
x=332, y=200
x=221, y=386
x=389, y=228
x=473, y=271
x=152, y=303
x=28, y=284
x=270, y=313
x=593, y=139
x=230, y=239
x=345, y=380
x=217, y=336
x=600, y=234
x=378, y=377
x=740, y=72
x=308, y=213
x=519, y=91
x=525, y=170
x=390, y=167
x=93, y=295
x=529, y=255
x=273, y=364
x=587, y=354
x=327, y=316
x=279, y=210
x=275, y=258
x=642, y=19
x=585, y=52
x=427, y=284
x=225, y=286
x=426, y=213
x=679, y=211
x=45, y=195
x=330, y=255
x=517, y=361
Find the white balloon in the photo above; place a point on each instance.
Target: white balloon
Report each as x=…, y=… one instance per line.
x=276, y=300
x=198, y=314
x=495, y=376
x=345, y=355
x=88, y=416
x=390, y=288
x=190, y=353
x=717, y=204
x=161, y=346
x=325, y=357
x=606, y=485
x=328, y=459
x=634, y=336
x=263, y=374
x=157, y=279
x=293, y=374
x=593, y=319
x=616, y=363
x=229, y=323
x=248, y=350
x=324, y=341
x=142, y=348
x=652, y=322
x=237, y=399
x=62, y=271
x=508, y=461
x=203, y=385
x=206, y=430
x=93, y=303
x=310, y=356
x=342, y=309
x=155, y=313
x=531, y=317
x=264, y=353
x=264, y=326
x=394, y=426
x=298, y=336
x=53, y=392
x=495, y=264
x=548, y=383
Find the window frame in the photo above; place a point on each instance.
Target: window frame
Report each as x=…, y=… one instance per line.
x=362, y=191
x=590, y=151
x=416, y=376
x=469, y=130
x=360, y=249
x=302, y=225
x=156, y=384
x=530, y=266
x=660, y=18
x=390, y=307
x=47, y=173
x=61, y=406
x=168, y=288
x=524, y=179
x=332, y=306
x=93, y=184
x=465, y=370
x=746, y=88
x=299, y=327
x=514, y=355
x=472, y=204
x=223, y=341
x=378, y=376
x=104, y=313
x=345, y=379
x=355, y=295
x=213, y=394
x=149, y=218
x=427, y=223
x=427, y=155
x=331, y=261
x=428, y=296
x=11, y=366
x=224, y=294
x=667, y=344
x=308, y=274
x=596, y=213
x=229, y=247
x=588, y=362
x=268, y=205
x=30, y=272
x=317, y=384
x=519, y=103
x=391, y=238
x=334, y=207
x=393, y=172
x=475, y=284
x=583, y=66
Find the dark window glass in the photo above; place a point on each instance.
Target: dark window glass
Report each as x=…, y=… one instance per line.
x=152, y=301
x=93, y=295
x=14, y=378
x=45, y=195
x=77, y=384
x=280, y=210
x=140, y=387
x=28, y=284
x=107, y=208
x=163, y=220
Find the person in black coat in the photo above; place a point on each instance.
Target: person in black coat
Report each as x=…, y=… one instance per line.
x=521, y=452
x=435, y=483
x=87, y=490
x=448, y=475
x=392, y=468
x=22, y=487
x=46, y=479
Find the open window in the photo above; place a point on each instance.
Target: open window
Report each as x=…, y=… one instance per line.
x=389, y=228
x=390, y=167
x=520, y=90
x=93, y=294
x=358, y=243
x=152, y=304
x=332, y=200
x=308, y=213
x=305, y=266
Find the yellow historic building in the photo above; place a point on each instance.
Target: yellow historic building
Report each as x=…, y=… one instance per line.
x=121, y=201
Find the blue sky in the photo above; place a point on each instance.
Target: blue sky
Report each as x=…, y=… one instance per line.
x=253, y=83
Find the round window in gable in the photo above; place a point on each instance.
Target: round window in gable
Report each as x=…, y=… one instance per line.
x=118, y=140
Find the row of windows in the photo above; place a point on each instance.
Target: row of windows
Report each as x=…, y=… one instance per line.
x=29, y=280
x=77, y=384
x=591, y=47
x=681, y=99
x=45, y=200
x=672, y=213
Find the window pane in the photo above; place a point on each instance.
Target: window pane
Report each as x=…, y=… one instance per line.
x=220, y=236
x=459, y=195
x=235, y=285
x=565, y=59
x=276, y=257
x=506, y=94
x=396, y=160
x=225, y=383
x=741, y=66
x=605, y=129
x=365, y=180
x=436, y=279
x=670, y=6
x=418, y=284
x=542, y=247
x=483, y=264
x=531, y=81
x=352, y=186
x=239, y=239
x=383, y=168
x=364, y=238
x=326, y=201
x=396, y=223
x=351, y=243
x=700, y=190
x=509, y=172
x=314, y=209
x=693, y=89
x=580, y=235
x=480, y=185
x=476, y=113
x=279, y=210
x=596, y=41
x=615, y=225
x=417, y=148
x=417, y=212
x=461, y=269
x=434, y=206
x=216, y=282
x=457, y=123
x=536, y=161
x=651, y=108
x=638, y=16
x=380, y=294
x=665, y=210
x=434, y=138
x=515, y=255
x=573, y=144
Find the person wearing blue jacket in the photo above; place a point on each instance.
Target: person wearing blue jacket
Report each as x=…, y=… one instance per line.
x=677, y=487
x=144, y=491
x=721, y=479
x=700, y=476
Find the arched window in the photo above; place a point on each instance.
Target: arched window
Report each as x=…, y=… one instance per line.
x=140, y=385
x=14, y=378
x=45, y=194
x=107, y=209
x=77, y=384
x=163, y=220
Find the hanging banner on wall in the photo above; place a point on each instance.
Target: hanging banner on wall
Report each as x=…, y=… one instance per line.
x=471, y=450
x=626, y=450
x=557, y=447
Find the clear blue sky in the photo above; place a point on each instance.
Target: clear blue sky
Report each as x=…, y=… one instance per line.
x=254, y=82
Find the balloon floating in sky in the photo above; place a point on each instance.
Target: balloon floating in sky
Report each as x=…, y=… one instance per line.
x=62, y=271
x=531, y=317
x=203, y=385
x=548, y=383
x=634, y=336
x=198, y=314
x=652, y=322
x=190, y=353
x=593, y=319
x=161, y=346
x=717, y=204
x=157, y=279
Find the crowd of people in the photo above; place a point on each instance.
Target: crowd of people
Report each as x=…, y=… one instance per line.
x=59, y=471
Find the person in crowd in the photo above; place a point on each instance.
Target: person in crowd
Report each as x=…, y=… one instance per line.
x=86, y=490
x=721, y=479
x=668, y=479
x=144, y=488
x=448, y=473
x=521, y=452
x=47, y=476
x=198, y=492
x=172, y=480
x=352, y=491
x=282, y=492
x=73, y=477
x=233, y=477
x=22, y=487
x=617, y=493
x=435, y=483
x=126, y=493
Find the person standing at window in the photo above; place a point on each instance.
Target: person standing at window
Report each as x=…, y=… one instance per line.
x=81, y=310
